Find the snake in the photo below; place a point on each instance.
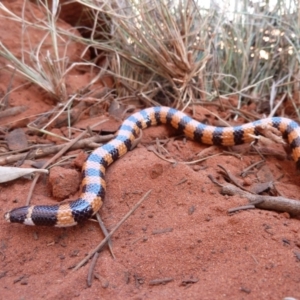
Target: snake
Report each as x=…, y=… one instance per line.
x=93, y=184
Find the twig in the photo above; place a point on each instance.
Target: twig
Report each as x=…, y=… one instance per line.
x=189, y=281
x=96, y=254
x=152, y=149
x=45, y=150
x=105, y=232
x=257, y=150
x=245, y=171
x=214, y=180
x=12, y=111
x=5, y=101
x=161, y=281
x=279, y=203
x=105, y=240
x=160, y=231
x=91, y=269
x=244, y=207
x=231, y=177
x=201, y=159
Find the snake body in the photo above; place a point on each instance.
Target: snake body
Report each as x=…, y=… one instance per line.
x=93, y=183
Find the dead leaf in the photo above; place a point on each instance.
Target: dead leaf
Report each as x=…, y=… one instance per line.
x=258, y=188
x=16, y=140
x=11, y=173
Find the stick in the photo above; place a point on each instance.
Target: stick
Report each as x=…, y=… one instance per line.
x=104, y=241
x=279, y=203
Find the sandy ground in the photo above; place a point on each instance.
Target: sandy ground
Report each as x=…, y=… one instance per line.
x=182, y=235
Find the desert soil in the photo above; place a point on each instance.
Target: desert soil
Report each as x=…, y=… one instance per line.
x=180, y=244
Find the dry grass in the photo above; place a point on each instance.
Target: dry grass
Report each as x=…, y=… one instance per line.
x=177, y=54
x=43, y=69
x=45, y=64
